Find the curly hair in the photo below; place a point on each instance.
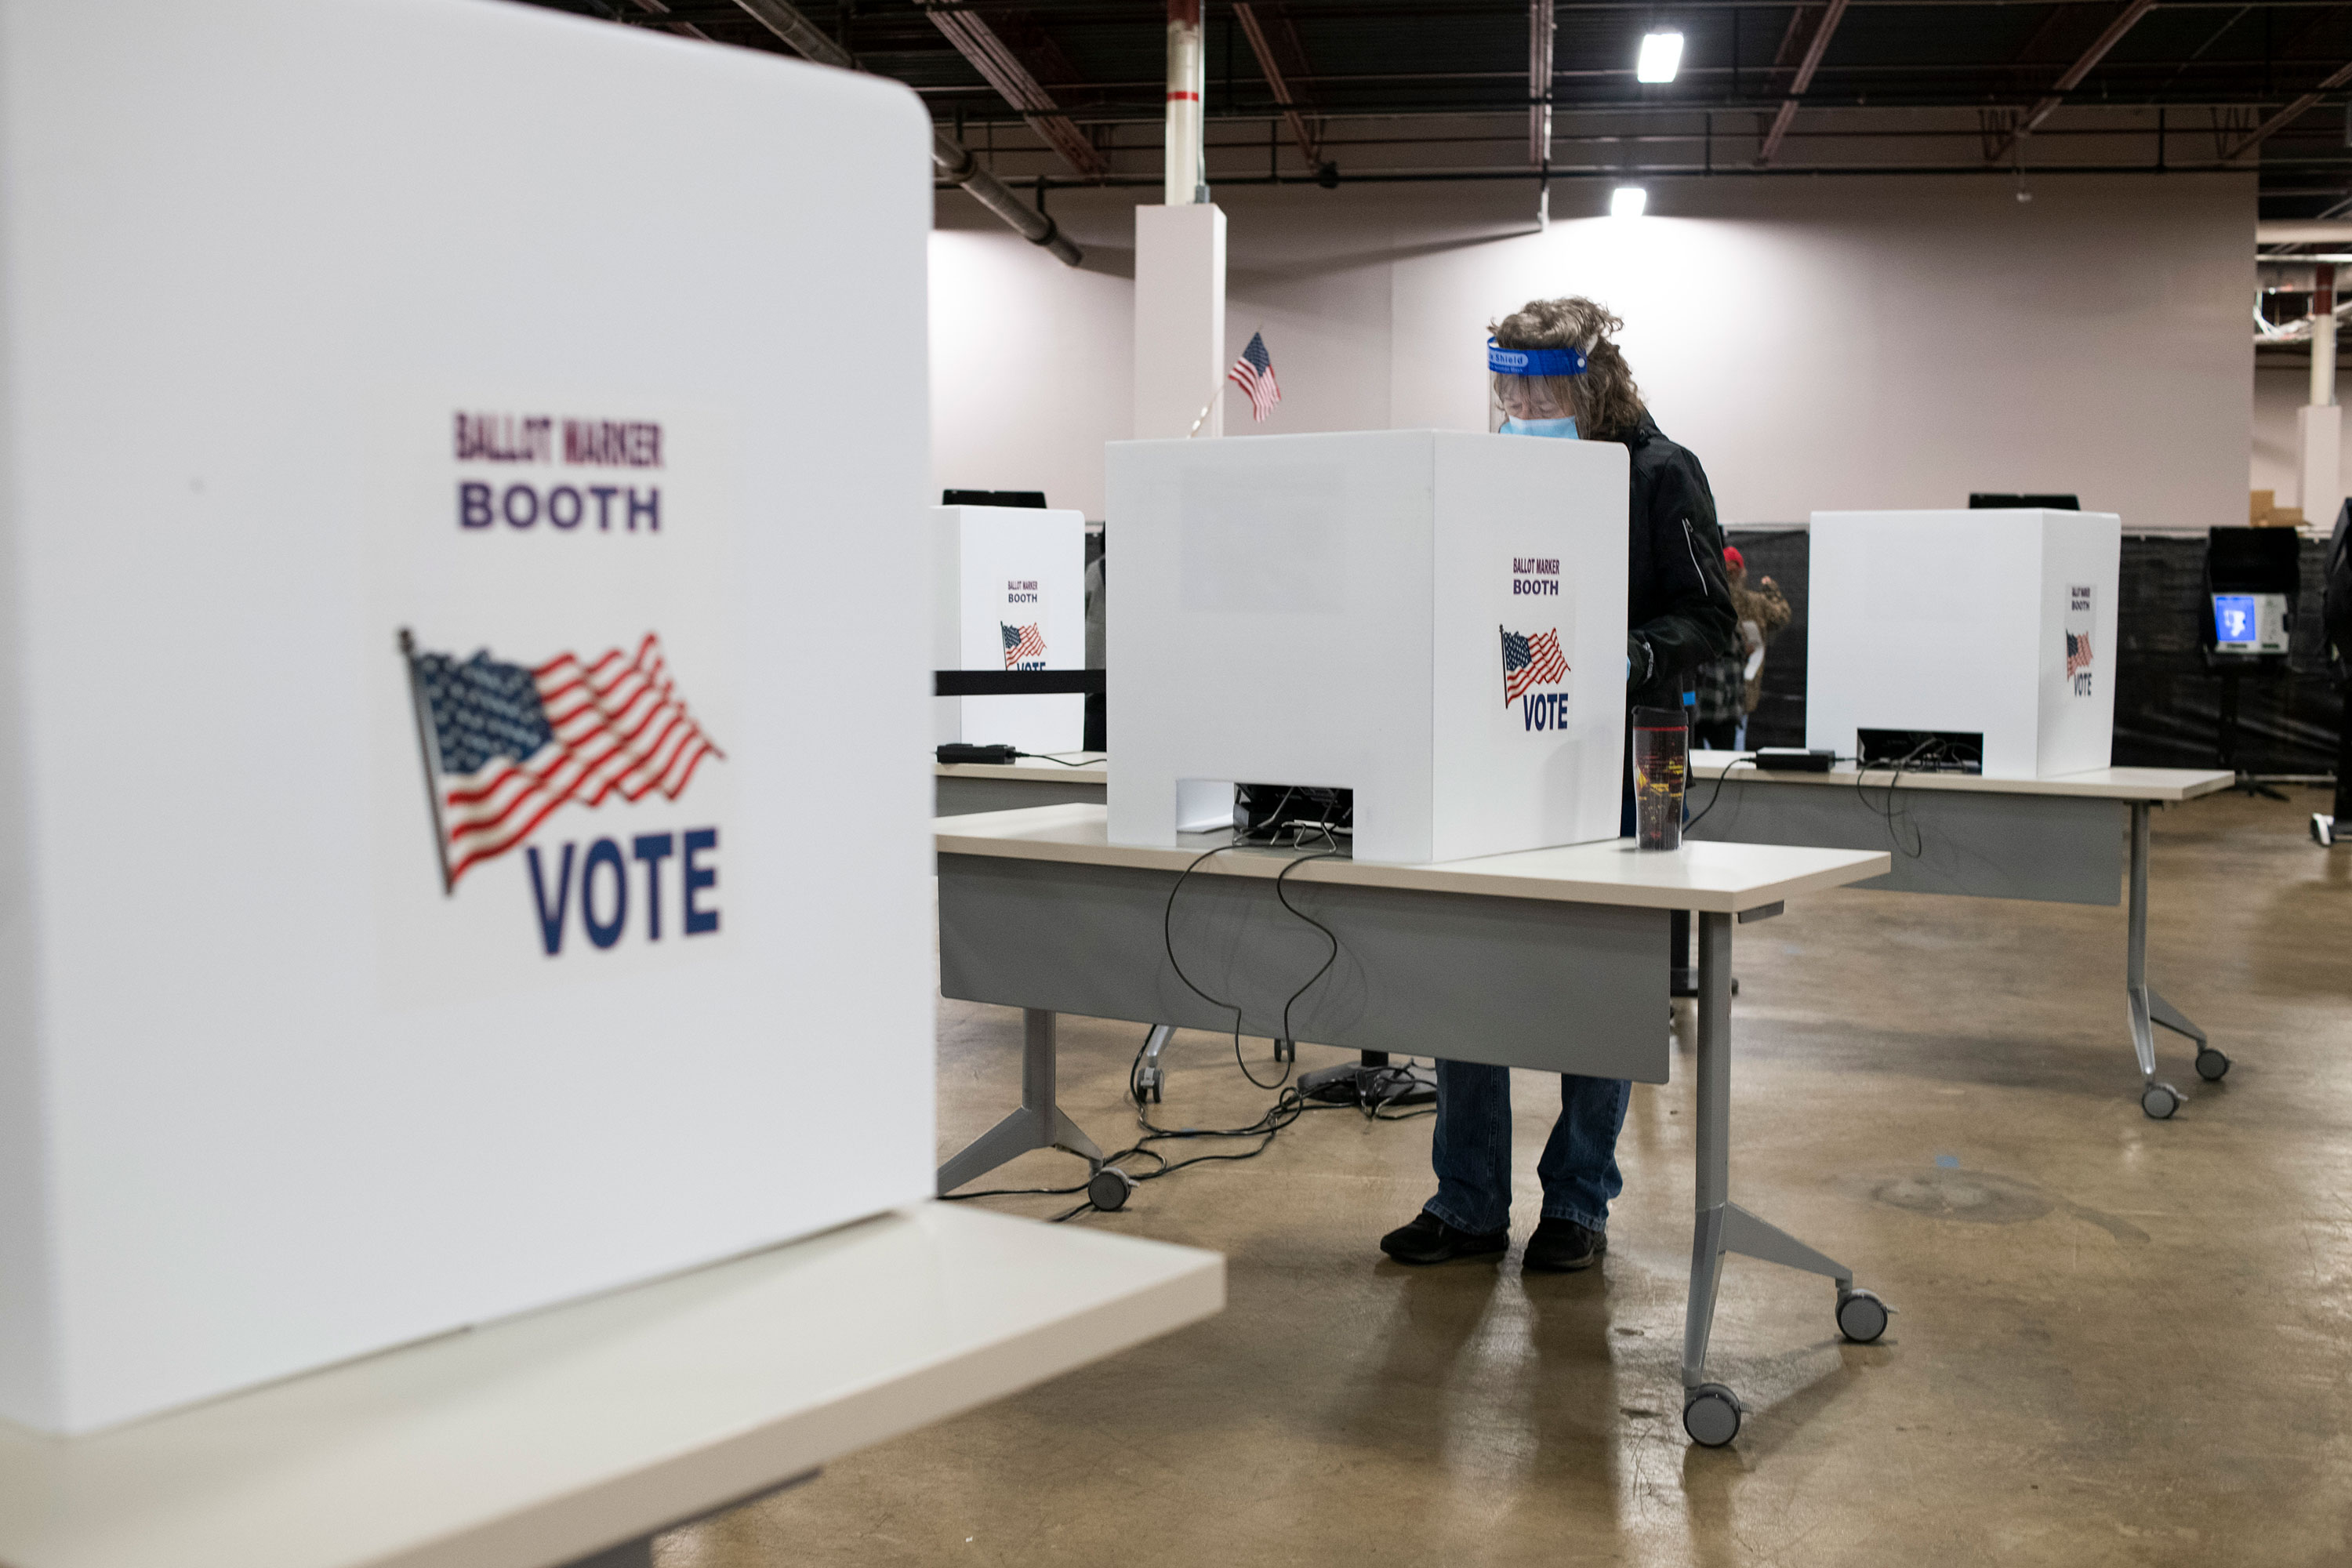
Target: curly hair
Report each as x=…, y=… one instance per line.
x=1607, y=403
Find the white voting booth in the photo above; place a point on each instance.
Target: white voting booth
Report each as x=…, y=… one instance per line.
x=420, y=903
x=1993, y=623
x=1009, y=593
x=1433, y=620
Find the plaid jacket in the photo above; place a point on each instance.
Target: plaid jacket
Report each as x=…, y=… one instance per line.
x=1719, y=690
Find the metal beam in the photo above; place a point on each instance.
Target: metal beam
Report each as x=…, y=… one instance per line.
x=683, y=29
x=1279, y=82
x=1541, y=30
x=955, y=162
x=977, y=42
x=2287, y=116
x=1804, y=78
x=2043, y=107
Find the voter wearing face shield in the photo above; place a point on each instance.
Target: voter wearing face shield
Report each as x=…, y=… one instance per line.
x=1557, y=374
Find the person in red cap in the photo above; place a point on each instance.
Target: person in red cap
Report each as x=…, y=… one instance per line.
x=1729, y=690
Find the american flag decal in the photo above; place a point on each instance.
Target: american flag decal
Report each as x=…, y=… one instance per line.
x=2078, y=652
x=1530, y=660
x=1022, y=642
x=506, y=744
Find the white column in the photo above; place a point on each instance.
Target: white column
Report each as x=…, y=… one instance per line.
x=2319, y=427
x=1179, y=319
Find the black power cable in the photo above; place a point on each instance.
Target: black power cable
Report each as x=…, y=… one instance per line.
x=1288, y=1104
x=1168, y=941
x=1889, y=814
x=1748, y=757
x=1329, y=960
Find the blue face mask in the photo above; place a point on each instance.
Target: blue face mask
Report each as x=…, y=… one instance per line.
x=1565, y=430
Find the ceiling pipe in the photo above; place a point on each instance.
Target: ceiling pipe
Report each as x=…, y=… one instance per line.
x=1186, y=179
x=956, y=165
x=2302, y=231
x=1541, y=30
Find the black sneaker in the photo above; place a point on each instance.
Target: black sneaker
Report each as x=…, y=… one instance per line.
x=1429, y=1240
x=1563, y=1246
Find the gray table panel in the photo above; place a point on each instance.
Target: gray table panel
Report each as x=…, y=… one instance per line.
x=2058, y=848
x=1524, y=982
x=967, y=797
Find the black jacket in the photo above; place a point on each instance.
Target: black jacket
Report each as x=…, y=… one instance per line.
x=1678, y=613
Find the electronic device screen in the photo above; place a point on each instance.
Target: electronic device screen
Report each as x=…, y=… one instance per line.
x=2250, y=623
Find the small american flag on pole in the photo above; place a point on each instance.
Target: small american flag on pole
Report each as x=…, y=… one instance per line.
x=1020, y=642
x=2078, y=652
x=1530, y=660
x=1253, y=374
x=506, y=744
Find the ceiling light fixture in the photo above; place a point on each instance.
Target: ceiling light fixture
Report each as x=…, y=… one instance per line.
x=1662, y=56
x=1628, y=201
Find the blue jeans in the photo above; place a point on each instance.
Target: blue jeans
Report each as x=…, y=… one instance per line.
x=1470, y=1150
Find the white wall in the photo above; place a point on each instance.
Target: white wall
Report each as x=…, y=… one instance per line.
x=1834, y=342
x=1031, y=366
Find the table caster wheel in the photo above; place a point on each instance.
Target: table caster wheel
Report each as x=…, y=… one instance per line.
x=2212, y=1065
x=1711, y=1416
x=1861, y=1316
x=2159, y=1101
x=1109, y=1189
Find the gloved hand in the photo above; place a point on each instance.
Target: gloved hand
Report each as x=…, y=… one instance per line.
x=1638, y=659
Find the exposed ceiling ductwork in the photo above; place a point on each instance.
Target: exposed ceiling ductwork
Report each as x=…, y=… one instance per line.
x=955, y=162
x=1814, y=50
x=2290, y=114
x=1418, y=92
x=1278, y=76
x=979, y=43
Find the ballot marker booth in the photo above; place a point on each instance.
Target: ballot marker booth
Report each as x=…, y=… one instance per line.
x=420, y=906
x=1009, y=586
x=1432, y=620
x=1968, y=641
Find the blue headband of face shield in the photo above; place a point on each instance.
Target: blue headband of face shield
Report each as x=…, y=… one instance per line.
x=1533, y=361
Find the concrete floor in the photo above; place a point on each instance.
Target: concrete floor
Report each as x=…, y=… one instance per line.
x=2118, y=1341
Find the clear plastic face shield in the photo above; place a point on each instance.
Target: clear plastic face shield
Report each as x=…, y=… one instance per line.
x=1529, y=391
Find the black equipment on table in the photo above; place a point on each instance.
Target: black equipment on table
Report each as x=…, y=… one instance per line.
x=2251, y=578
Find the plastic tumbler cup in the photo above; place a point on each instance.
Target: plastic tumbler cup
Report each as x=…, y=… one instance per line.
x=1661, y=760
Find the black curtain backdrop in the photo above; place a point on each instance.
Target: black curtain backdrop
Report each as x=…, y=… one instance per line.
x=2167, y=704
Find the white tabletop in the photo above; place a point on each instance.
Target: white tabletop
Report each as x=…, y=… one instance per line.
x=547, y=1437
x=1722, y=879
x=1090, y=767
x=2100, y=784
